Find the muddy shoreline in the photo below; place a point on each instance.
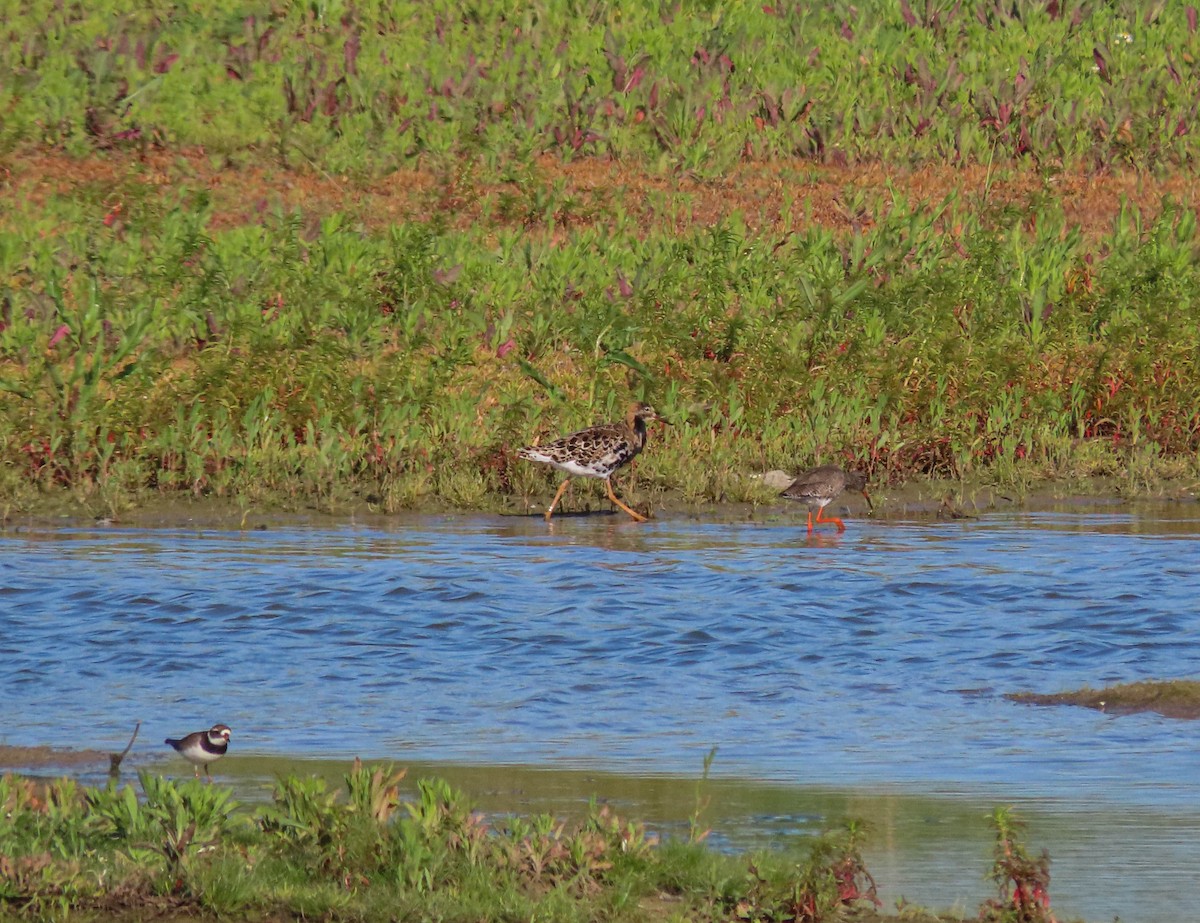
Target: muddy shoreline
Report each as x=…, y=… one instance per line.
x=1174, y=698
x=914, y=500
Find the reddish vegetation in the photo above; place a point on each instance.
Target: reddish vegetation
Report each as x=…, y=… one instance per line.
x=759, y=192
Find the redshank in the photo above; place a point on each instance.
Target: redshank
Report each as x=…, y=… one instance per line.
x=596, y=452
x=818, y=487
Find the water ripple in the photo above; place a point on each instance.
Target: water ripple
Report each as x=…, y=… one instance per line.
x=883, y=653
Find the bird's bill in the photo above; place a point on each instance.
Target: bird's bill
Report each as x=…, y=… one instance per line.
x=870, y=505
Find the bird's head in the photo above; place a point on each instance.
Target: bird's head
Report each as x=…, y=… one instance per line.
x=643, y=411
x=856, y=480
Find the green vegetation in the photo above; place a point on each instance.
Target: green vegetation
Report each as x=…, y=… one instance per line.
x=691, y=85
x=171, y=322
x=1177, y=698
x=1023, y=881
x=315, y=362
x=369, y=853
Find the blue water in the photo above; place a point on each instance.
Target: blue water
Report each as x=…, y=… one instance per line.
x=877, y=659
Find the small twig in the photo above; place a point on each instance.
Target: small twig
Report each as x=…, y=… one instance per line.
x=114, y=759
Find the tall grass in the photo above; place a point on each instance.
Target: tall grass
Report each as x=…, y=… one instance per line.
x=319, y=360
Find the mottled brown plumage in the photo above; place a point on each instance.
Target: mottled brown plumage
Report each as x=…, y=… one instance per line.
x=818, y=487
x=596, y=452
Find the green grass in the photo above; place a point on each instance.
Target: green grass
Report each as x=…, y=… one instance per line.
x=155, y=339
x=370, y=851
x=693, y=86
x=1178, y=698
x=328, y=363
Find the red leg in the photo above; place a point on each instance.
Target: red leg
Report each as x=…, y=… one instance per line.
x=810, y=524
x=841, y=526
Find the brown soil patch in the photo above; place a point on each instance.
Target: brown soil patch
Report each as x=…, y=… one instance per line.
x=12, y=758
x=1174, y=699
x=772, y=198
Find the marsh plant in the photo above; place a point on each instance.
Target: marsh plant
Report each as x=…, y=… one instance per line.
x=376, y=849
x=390, y=384
x=504, y=230
x=1022, y=880
x=174, y=820
x=362, y=88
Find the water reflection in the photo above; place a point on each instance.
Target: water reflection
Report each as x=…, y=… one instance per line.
x=872, y=660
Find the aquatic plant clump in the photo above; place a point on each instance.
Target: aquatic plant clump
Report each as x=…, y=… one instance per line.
x=371, y=851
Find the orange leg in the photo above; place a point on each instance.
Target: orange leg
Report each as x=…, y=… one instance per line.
x=810, y=522
x=558, y=496
x=637, y=517
x=841, y=526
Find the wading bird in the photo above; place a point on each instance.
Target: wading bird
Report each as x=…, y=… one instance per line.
x=202, y=747
x=818, y=487
x=596, y=452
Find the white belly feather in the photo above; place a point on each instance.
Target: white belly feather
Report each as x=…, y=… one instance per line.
x=570, y=465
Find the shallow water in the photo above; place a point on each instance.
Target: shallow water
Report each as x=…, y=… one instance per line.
x=866, y=669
